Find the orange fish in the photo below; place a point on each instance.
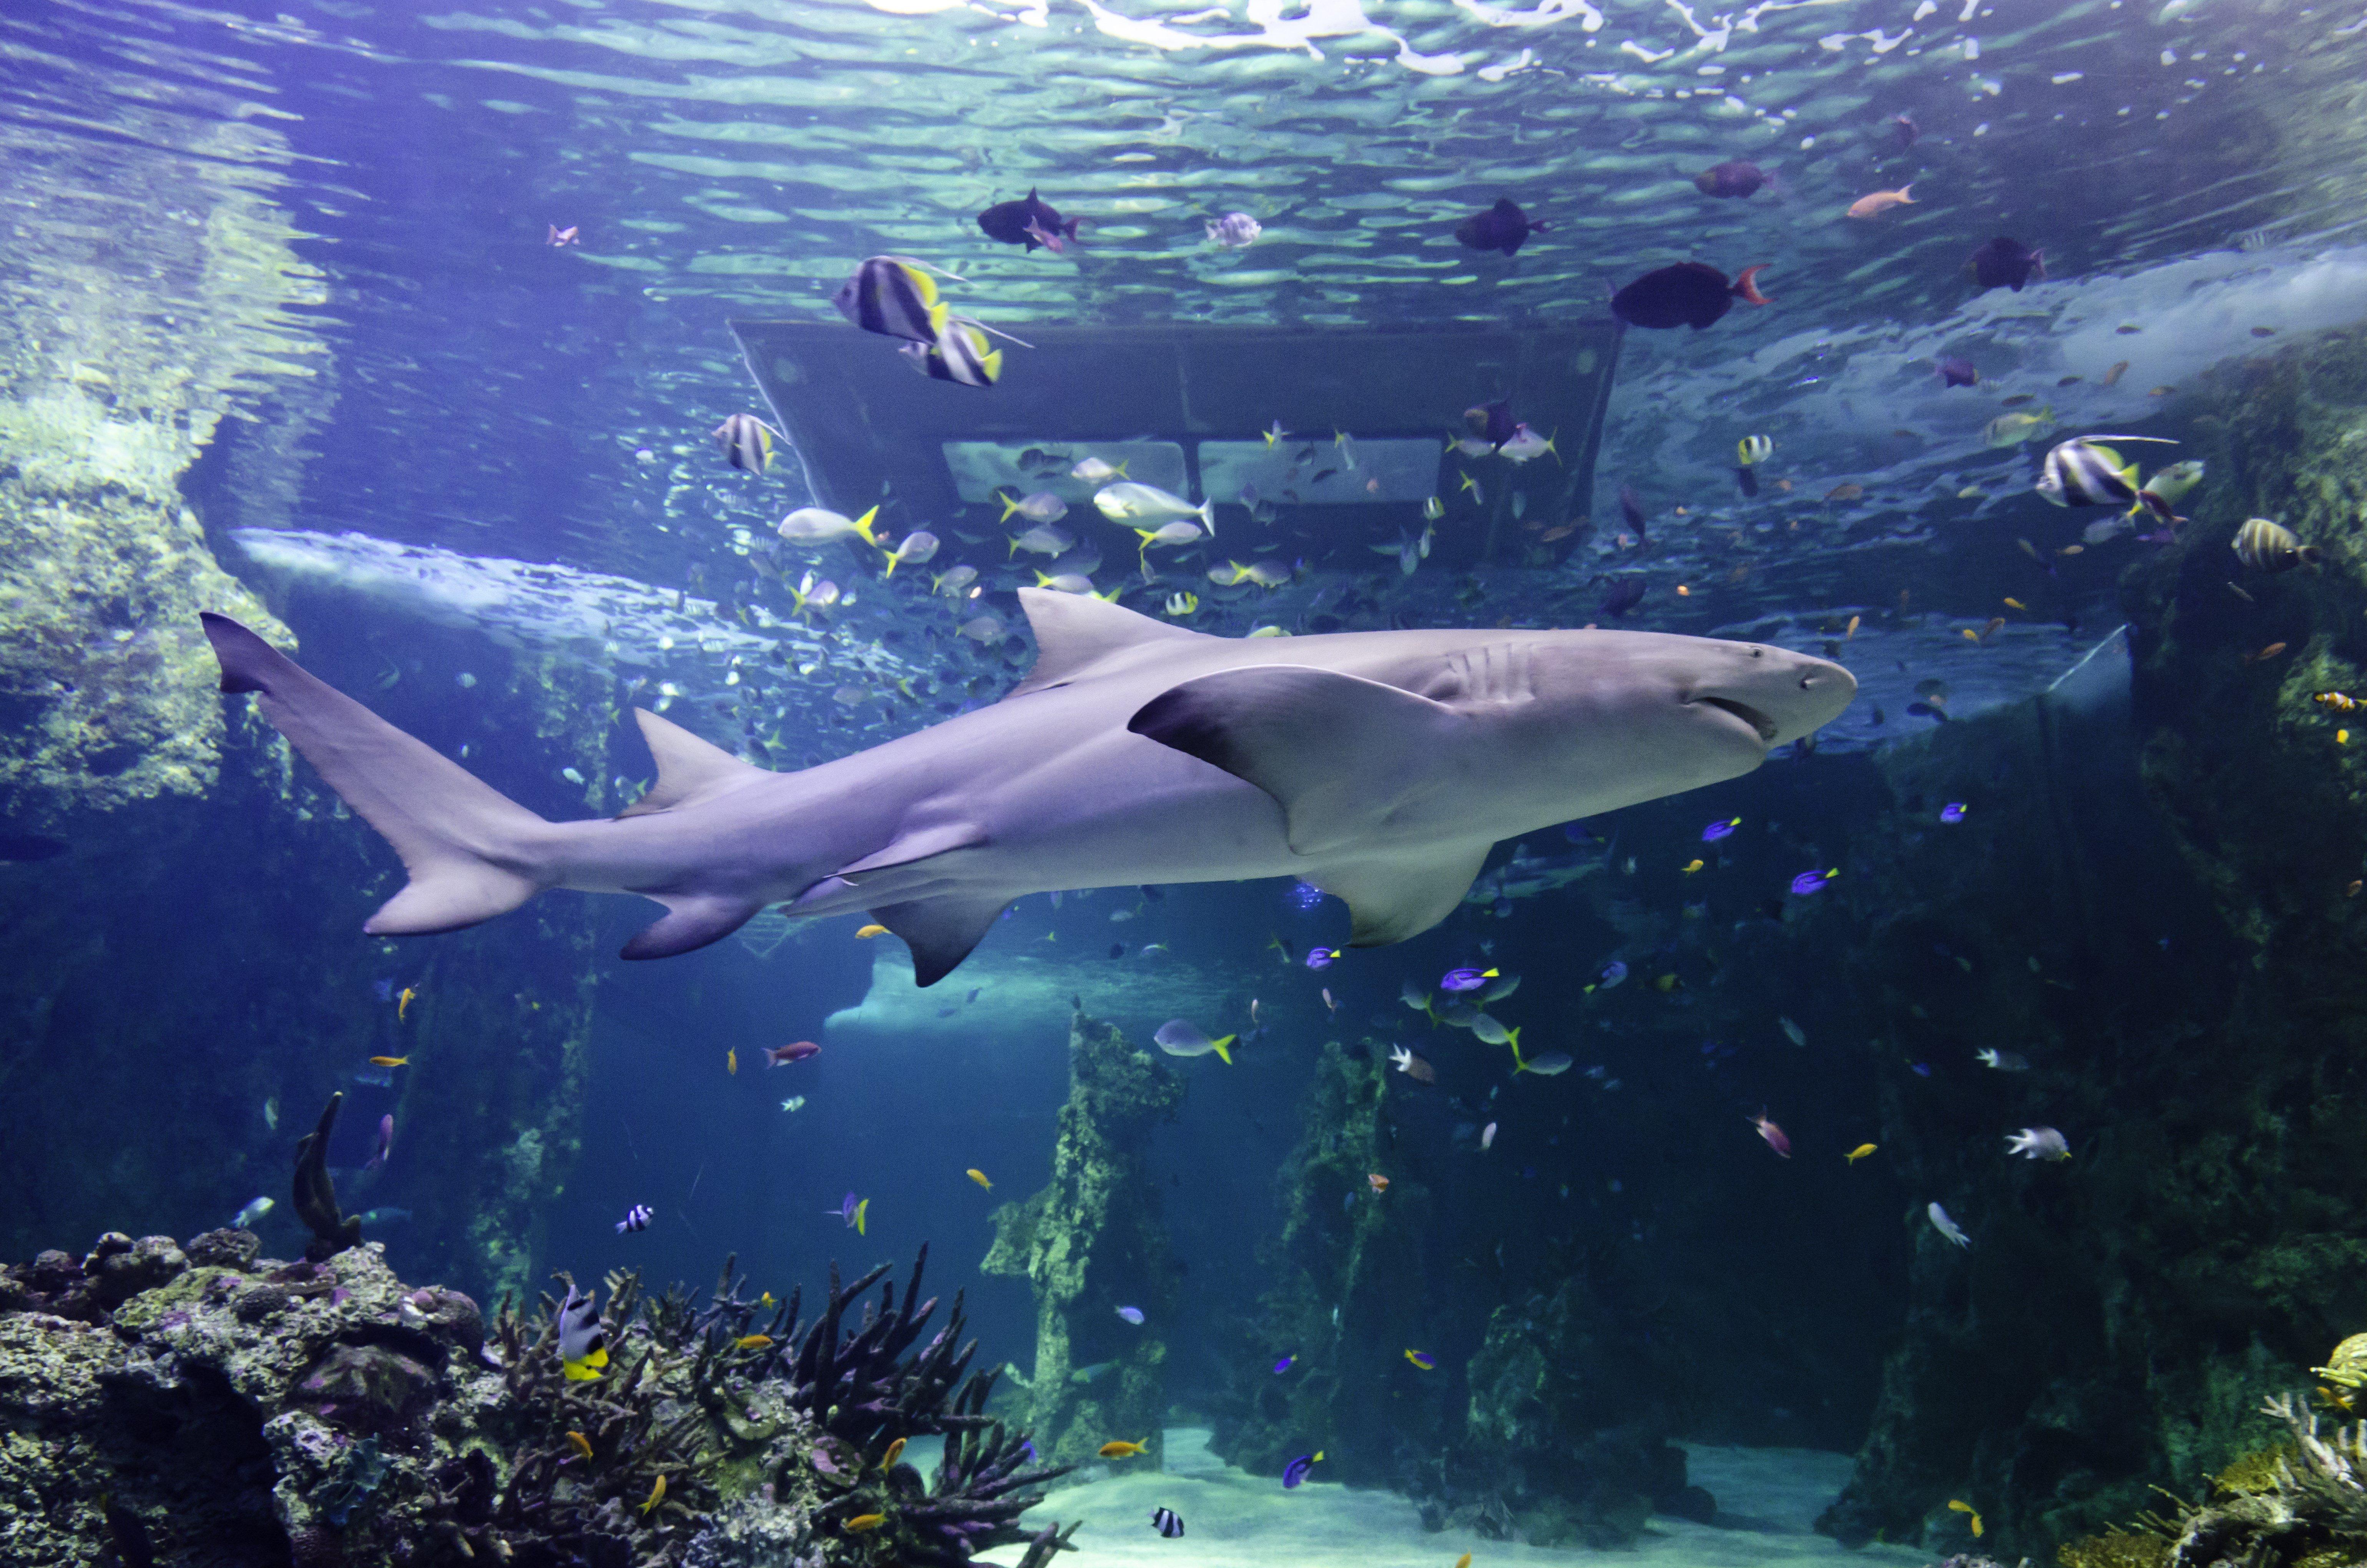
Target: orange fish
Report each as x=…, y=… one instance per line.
x=864, y=933
x=895, y=1451
x=1380, y=1183
x=390, y=1060
x=731, y=1062
x=1845, y=493
x=580, y=1443
x=403, y=1003
x=2113, y=376
x=1881, y=201
x=2270, y=652
x=2016, y=604
x=862, y=1522
x=1121, y=1450
x=753, y=1342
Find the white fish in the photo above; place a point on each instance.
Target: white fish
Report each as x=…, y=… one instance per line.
x=1092, y=470
x=1134, y=504
x=1487, y=1136
x=1234, y=231
x=1500, y=988
x=1526, y=446
x=818, y=524
x=1947, y=1227
x=1793, y=1031
x=1485, y=1027
x=2003, y=1061
x=793, y=1103
x=2037, y=1144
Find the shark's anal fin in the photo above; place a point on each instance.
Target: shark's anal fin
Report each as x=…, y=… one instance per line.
x=1075, y=632
x=688, y=768
x=941, y=931
x=1400, y=897
x=471, y=851
x=690, y=922
x=1340, y=754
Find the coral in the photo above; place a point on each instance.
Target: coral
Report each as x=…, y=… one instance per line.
x=1090, y=1243
x=2114, y=1549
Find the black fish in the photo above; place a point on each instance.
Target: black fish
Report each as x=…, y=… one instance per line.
x=1169, y=1522
x=1030, y=222
x=1118, y=949
x=1956, y=373
x=2006, y=263
x=1632, y=506
x=1625, y=594
x=1491, y=422
x=1502, y=227
x=1735, y=178
x=1928, y=710
x=1907, y=131
x=1748, y=480
x=1691, y=293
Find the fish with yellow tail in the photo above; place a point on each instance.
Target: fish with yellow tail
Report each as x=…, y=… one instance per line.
x=403, y=1003
x=2014, y=427
x=978, y=1176
x=818, y=524
x=2266, y=546
x=731, y=1062
x=583, y=1340
x=1122, y=1450
x=390, y=1060
x=1972, y=1516
x=656, y=1496
x=581, y=1444
x=863, y=1523
x=895, y=1451
x=864, y=933
x=1860, y=1153
x=1180, y=1036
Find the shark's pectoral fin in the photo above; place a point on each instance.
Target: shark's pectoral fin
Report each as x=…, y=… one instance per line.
x=690, y=922
x=1400, y=897
x=941, y=931
x=1339, y=753
x=688, y=768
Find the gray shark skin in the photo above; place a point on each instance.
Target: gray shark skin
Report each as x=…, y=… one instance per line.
x=1380, y=765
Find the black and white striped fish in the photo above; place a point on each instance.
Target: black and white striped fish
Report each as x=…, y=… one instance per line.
x=637, y=1218
x=2271, y=546
x=747, y=442
x=1169, y=1522
x=960, y=354
x=889, y=294
x=2083, y=472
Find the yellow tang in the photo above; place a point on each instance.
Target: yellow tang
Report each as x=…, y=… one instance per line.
x=864, y=933
x=1122, y=1450
x=582, y=1444
x=1860, y=1153
x=862, y=1522
x=390, y=1060
x=978, y=1176
x=895, y=1451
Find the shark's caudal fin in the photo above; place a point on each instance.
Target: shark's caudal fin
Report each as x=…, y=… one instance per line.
x=470, y=849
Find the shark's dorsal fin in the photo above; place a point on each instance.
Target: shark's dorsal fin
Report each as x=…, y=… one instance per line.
x=1076, y=631
x=1344, y=756
x=688, y=768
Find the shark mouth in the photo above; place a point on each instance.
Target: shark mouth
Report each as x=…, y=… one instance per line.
x=1766, y=727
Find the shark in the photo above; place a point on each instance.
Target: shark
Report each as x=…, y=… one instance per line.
x=1381, y=767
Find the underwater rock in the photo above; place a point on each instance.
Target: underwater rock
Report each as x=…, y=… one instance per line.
x=1092, y=1241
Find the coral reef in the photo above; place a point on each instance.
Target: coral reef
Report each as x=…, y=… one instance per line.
x=1091, y=1243
x=202, y=1403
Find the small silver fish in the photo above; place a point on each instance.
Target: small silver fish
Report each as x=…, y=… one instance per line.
x=2037, y=1144
x=1234, y=231
x=1947, y=1227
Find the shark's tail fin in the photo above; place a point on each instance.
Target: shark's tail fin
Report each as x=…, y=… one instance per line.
x=470, y=849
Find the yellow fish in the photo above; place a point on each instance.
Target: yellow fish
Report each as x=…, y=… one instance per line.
x=1665, y=984
x=2015, y=603
x=980, y=1176
x=1860, y=1153
x=1463, y=1560
x=731, y=1062
x=865, y=934
x=582, y=1444
x=657, y=1495
x=862, y=1215
x=1695, y=865
x=753, y=1342
x=895, y=1451
x=862, y=1522
x=1957, y=1505
x=1122, y=1450
x=403, y=1003
x=1852, y=627
x=390, y=1060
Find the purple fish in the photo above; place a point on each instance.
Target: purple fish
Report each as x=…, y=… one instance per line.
x=796, y=1050
x=1631, y=507
x=1612, y=973
x=385, y=1142
x=845, y=1210
x=1955, y=371
x=1321, y=958
x=1502, y=227
x=1906, y=129
x=1131, y=1315
x=1462, y=980
x=1295, y=1470
x=1625, y=594
x=1285, y=1364
x=1718, y=830
x=2006, y=263
x=1737, y=176
x=1807, y=883
x=1953, y=811
x=1691, y=293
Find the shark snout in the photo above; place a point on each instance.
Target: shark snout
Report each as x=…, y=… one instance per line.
x=1781, y=694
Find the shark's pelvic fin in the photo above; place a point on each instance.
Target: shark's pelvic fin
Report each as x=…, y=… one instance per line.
x=1340, y=754
x=941, y=931
x=688, y=768
x=471, y=850
x=690, y=923
x=1395, y=898
x=909, y=849
x=1076, y=632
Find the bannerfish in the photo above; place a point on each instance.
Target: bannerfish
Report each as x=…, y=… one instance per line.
x=637, y=1218
x=1945, y=1226
x=746, y=442
x=1121, y=1450
x=245, y=1219
x=1735, y=178
x=1502, y=227
x=1167, y=1522
x=583, y=1342
x=1691, y=293
x=960, y=354
x=1178, y=1037
x=2037, y=1144
x=1958, y=372
x=2006, y=263
x=2002, y=1061
x=1403, y=1059
x=818, y=524
x=1234, y=231
x=1029, y=221
x=890, y=295
x=796, y=1050
x=1041, y=507
x=2265, y=546
x=1134, y=504
x=1131, y=1315
x=2083, y=472
x=1625, y=595
x=1876, y=203
x=1773, y=1133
